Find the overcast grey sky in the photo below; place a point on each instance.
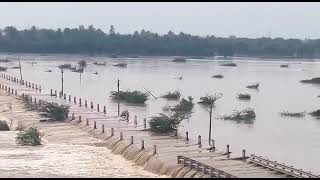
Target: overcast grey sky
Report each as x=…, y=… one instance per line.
x=287, y=20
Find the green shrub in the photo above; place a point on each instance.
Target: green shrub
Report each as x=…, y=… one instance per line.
x=4, y=126
x=315, y=113
x=313, y=80
x=161, y=124
x=130, y=97
x=54, y=111
x=297, y=114
x=246, y=114
x=172, y=95
x=167, y=123
x=3, y=68
x=65, y=66
x=219, y=76
x=184, y=105
x=244, y=96
x=30, y=136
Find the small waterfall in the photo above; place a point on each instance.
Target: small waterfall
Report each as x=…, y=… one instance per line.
x=120, y=147
x=142, y=157
x=183, y=172
x=191, y=174
x=130, y=152
x=176, y=170
x=154, y=165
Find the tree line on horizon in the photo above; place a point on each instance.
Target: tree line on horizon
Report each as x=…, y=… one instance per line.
x=94, y=41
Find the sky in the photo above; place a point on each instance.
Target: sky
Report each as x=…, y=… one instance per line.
x=222, y=19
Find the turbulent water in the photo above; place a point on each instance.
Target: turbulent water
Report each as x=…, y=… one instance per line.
x=294, y=141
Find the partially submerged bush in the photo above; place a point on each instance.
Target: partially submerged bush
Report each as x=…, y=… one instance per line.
x=244, y=96
x=130, y=96
x=3, y=68
x=54, y=111
x=229, y=64
x=179, y=60
x=65, y=66
x=4, y=126
x=120, y=65
x=167, y=123
x=82, y=63
x=100, y=63
x=254, y=86
x=315, y=113
x=313, y=80
x=30, y=136
x=219, y=76
x=284, y=65
x=125, y=114
x=172, y=95
x=5, y=60
x=184, y=105
x=297, y=114
x=246, y=114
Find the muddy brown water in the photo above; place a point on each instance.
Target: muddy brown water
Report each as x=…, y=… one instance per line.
x=294, y=141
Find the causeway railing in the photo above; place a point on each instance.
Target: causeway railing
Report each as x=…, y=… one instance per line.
x=274, y=165
x=213, y=172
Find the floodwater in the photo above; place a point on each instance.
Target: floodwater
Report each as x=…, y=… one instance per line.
x=290, y=140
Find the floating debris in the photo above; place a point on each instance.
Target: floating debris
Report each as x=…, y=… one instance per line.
x=3, y=68
x=284, y=65
x=297, y=114
x=219, y=76
x=15, y=67
x=78, y=70
x=244, y=96
x=254, y=86
x=48, y=70
x=95, y=73
x=315, y=113
x=229, y=64
x=65, y=66
x=4, y=126
x=120, y=65
x=179, y=60
x=100, y=63
x=5, y=60
x=313, y=80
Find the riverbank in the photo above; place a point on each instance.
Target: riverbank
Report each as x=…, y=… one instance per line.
x=66, y=151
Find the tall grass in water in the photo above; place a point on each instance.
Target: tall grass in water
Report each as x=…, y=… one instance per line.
x=172, y=95
x=130, y=96
x=30, y=136
x=4, y=126
x=165, y=123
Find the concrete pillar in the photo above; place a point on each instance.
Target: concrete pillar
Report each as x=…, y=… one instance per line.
x=69, y=98
x=80, y=118
x=112, y=132
x=91, y=105
x=145, y=123
x=199, y=141
x=121, y=136
x=228, y=149
x=87, y=122
x=104, y=110
x=72, y=118
x=154, y=149
x=94, y=125
x=131, y=140
x=243, y=154
x=142, y=144
x=187, y=136
x=102, y=127
x=98, y=108
x=85, y=103
x=75, y=100
x=80, y=102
